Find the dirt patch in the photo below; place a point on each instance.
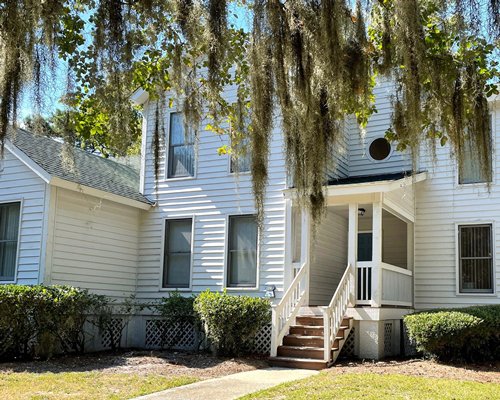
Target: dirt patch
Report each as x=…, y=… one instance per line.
x=426, y=368
x=202, y=366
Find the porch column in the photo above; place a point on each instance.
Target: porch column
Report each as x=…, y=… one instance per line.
x=377, y=255
x=305, y=246
x=289, y=243
x=352, y=252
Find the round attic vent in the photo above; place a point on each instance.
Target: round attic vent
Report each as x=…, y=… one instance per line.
x=380, y=149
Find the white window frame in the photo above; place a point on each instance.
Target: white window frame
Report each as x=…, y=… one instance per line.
x=16, y=267
x=229, y=158
x=369, y=156
x=226, y=258
x=493, y=163
x=162, y=258
x=457, y=259
x=167, y=153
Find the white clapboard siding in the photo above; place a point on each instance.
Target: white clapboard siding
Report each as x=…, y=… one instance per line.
x=210, y=197
x=441, y=204
x=19, y=183
x=359, y=163
x=328, y=258
x=94, y=244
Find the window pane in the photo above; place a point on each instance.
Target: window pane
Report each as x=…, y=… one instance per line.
x=181, y=161
x=242, y=161
x=476, y=258
x=176, y=129
x=471, y=171
x=177, y=263
x=242, y=251
x=9, y=231
x=178, y=270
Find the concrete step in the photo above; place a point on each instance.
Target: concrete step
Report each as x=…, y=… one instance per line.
x=294, y=362
x=302, y=340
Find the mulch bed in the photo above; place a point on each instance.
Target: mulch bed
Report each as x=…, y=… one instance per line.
x=202, y=366
x=205, y=366
x=486, y=372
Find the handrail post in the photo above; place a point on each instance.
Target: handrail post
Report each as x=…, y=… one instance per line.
x=326, y=333
x=274, y=331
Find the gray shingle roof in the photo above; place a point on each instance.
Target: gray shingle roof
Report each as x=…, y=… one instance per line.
x=76, y=165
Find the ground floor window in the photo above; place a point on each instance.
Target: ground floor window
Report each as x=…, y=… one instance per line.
x=177, y=256
x=9, y=235
x=242, y=251
x=475, y=258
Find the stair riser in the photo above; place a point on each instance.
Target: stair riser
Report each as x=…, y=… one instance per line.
x=300, y=341
x=298, y=330
x=311, y=321
x=298, y=364
x=300, y=353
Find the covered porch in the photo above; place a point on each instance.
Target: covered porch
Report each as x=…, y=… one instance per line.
x=358, y=262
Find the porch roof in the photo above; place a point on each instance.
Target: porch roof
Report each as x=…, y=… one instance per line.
x=350, y=180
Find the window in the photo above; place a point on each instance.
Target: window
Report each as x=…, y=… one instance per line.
x=242, y=251
x=475, y=258
x=177, y=257
x=471, y=170
x=241, y=161
x=180, y=148
x=380, y=149
x=9, y=232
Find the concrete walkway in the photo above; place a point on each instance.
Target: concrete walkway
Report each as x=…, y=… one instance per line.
x=231, y=386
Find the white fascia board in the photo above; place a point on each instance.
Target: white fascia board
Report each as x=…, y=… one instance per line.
x=365, y=187
x=28, y=161
x=58, y=182
x=139, y=97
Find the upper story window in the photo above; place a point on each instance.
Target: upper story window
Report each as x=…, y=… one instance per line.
x=242, y=251
x=9, y=232
x=180, y=148
x=471, y=170
x=475, y=258
x=379, y=149
x=177, y=253
x=241, y=161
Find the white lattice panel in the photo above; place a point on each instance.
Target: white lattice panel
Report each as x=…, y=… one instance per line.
x=262, y=342
x=388, y=339
x=349, y=345
x=113, y=331
x=176, y=336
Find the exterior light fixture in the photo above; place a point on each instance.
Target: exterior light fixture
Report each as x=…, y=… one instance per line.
x=361, y=212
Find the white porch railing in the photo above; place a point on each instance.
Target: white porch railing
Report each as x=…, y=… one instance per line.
x=284, y=313
x=334, y=313
x=383, y=284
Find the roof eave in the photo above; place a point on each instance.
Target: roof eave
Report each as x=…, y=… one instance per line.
x=139, y=97
x=62, y=183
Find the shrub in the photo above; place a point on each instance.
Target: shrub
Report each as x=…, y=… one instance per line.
x=177, y=310
x=471, y=333
x=38, y=320
x=230, y=322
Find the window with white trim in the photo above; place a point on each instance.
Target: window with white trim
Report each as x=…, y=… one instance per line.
x=475, y=258
x=180, y=148
x=9, y=236
x=242, y=251
x=471, y=168
x=177, y=253
x=241, y=161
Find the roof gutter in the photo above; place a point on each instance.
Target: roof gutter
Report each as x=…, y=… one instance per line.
x=62, y=183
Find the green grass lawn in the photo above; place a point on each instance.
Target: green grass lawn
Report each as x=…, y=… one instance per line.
x=83, y=385
x=379, y=387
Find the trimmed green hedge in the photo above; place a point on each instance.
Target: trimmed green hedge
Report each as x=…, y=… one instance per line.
x=230, y=322
x=471, y=333
x=41, y=320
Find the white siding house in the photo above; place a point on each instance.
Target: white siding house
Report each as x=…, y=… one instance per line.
x=392, y=240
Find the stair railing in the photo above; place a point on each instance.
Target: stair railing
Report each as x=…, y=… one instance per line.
x=284, y=313
x=334, y=313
